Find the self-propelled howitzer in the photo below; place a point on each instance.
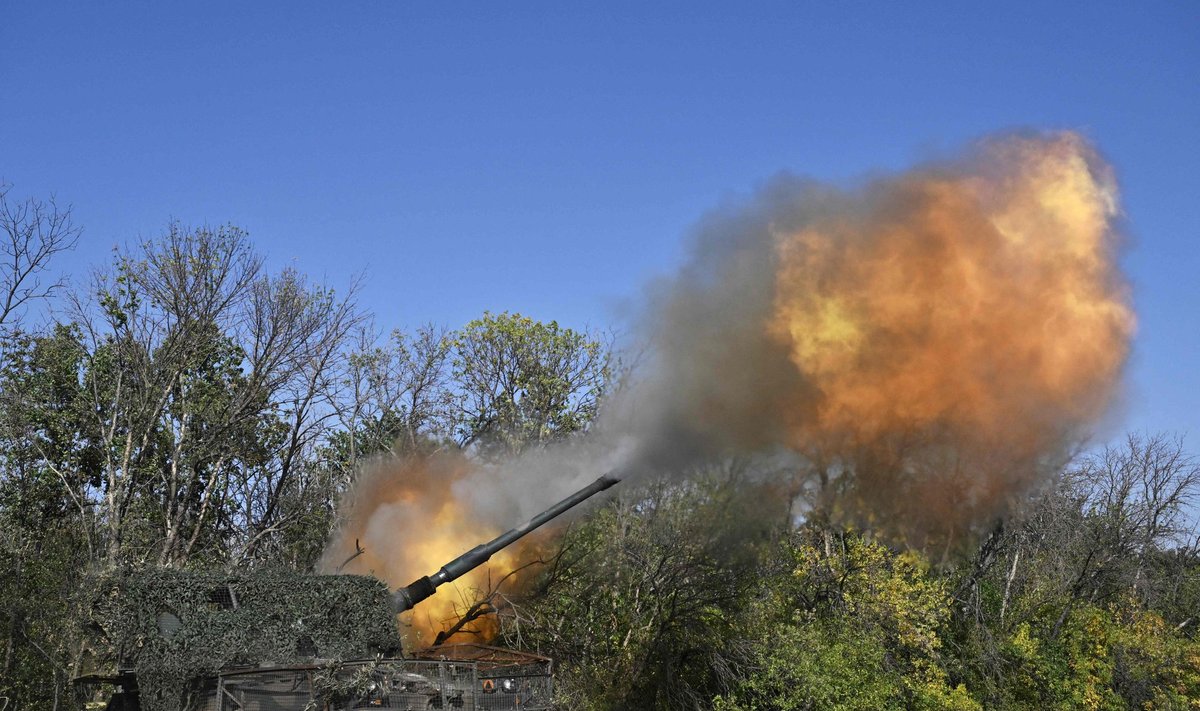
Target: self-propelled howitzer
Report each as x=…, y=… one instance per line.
x=405, y=598
x=161, y=639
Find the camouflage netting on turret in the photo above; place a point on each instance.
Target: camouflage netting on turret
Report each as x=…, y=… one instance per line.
x=173, y=628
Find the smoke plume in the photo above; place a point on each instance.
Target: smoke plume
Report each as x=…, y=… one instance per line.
x=931, y=344
x=924, y=347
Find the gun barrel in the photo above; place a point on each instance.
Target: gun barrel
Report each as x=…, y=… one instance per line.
x=404, y=598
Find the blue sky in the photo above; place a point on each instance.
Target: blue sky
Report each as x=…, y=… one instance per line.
x=549, y=158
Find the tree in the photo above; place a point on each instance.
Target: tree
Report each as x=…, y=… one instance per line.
x=393, y=398
x=41, y=543
x=1052, y=612
x=205, y=381
x=389, y=399
x=44, y=478
x=32, y=232
x=850, y=624
x=641, y=607
x=523, y=382
x=1094, y=535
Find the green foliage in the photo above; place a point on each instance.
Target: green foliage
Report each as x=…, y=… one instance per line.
x=834, y=665
x=643, y=610
x=523, y=381
x=1154, y=666
x=173, y=627
x=43, y=478
x=37, y=570
x=1099, y=659
x=854, y=626
x=1071, y=671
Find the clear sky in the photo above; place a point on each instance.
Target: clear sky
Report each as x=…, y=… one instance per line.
x=551, y=157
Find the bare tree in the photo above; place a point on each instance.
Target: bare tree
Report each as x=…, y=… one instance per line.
x=393, y=397
x=33, y=232
x=1111, y=525
x=299, y=335
x=1146, y=491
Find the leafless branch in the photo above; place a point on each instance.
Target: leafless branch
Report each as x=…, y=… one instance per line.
x=33, y=232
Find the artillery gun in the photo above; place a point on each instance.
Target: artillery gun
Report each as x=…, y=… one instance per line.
x=167, y=640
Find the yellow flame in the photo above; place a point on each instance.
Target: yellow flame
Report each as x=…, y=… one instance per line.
x=408, y=523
